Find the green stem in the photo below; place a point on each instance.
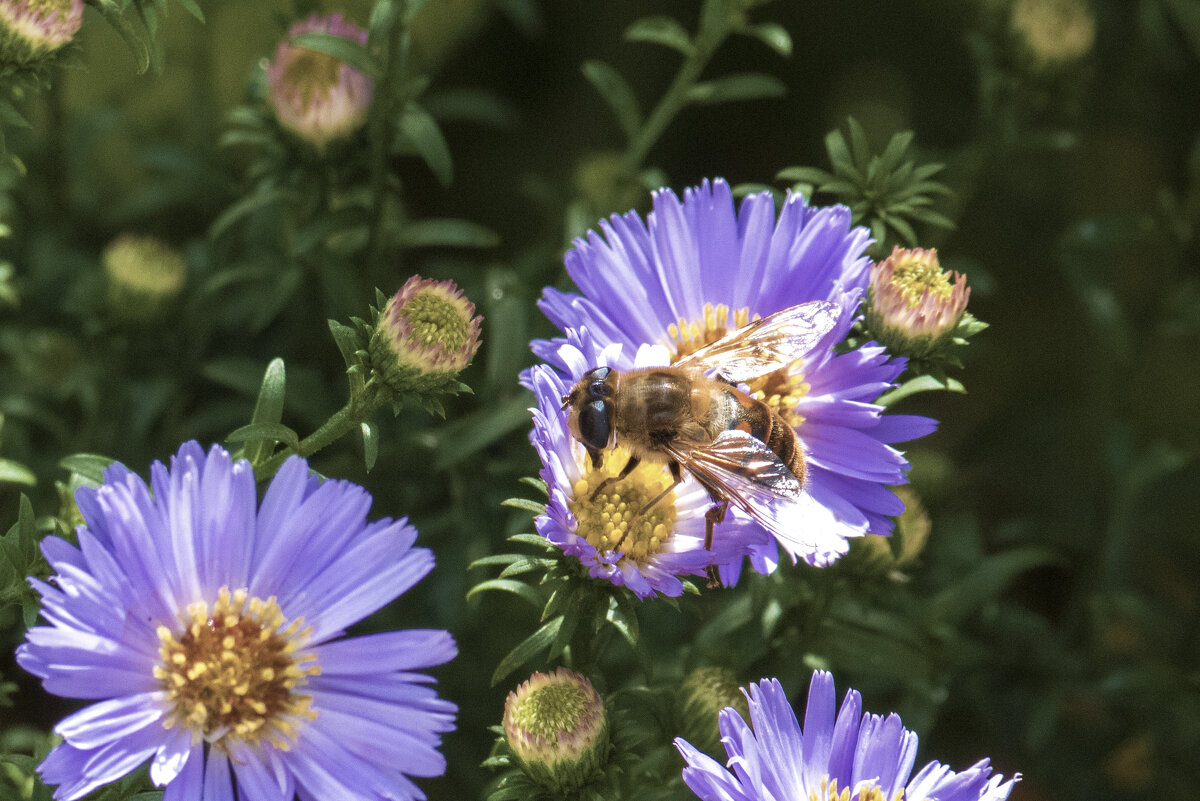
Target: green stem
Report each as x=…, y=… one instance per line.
x=357, y=410
x=380, y=136
x=714, y=29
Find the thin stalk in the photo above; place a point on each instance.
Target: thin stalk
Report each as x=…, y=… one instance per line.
x=380, y=136
x=357, y=410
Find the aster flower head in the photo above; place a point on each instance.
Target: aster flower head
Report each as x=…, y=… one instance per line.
x=424, y=336
x=557, y=728
x=33, y=29
x=144, y=275
x=913, y=306
x=699, y=268
x=699, y=701
x=314, y=95
x=645, y=554
x=870, y=757
x=207, y=630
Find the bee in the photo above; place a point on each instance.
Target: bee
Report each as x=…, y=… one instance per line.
x=692, y=416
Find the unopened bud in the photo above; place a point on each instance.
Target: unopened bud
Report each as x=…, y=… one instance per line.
x=557, y=729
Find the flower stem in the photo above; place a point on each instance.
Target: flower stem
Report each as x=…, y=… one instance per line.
x=714, y=29
x=357, y=410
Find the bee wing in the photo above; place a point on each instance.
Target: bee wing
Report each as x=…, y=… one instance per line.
x=767, y=344
x=750, y=475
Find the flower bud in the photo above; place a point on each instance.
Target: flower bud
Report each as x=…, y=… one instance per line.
x=1053, y=33
x=33, y=29
x=703, y=694
x=314, y=95
x=424, y=337
x=144, y=277
x=876, y=555
x=912, y=305
x=557, y=729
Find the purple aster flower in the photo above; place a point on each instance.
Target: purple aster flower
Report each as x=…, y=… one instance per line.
x=663, y=544
x=700, y=268
x=208, y=631
x=316, y=96
x=872, y=757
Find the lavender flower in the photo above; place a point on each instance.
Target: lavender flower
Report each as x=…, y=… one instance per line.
x=209, y=635
x=855, y=755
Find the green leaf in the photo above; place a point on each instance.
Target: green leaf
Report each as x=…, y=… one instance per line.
x=807, y=175
x=421, y=130
x=439, y=232
x=772, y=35
x=268, y=408
x=742, y=86
x=18, y=547
x=370, y=437
x=112, y=13
x=272, y=432
x=527, y=649
x=661, y=30
x=526, y=504
x=88, y=465
x=518, y=588
x=617, y=93
x=348, y=341
x=341, y=48
x=984, y=583
x=860, y=146
x=839, y=154
x=248, y=205
x=15, y=473
x=622, y=614
x=192, y=8
x=10, y=116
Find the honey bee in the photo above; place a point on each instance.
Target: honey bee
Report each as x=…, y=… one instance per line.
x=692, y=416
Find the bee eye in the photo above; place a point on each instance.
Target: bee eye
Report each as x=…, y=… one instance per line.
x=594, y=424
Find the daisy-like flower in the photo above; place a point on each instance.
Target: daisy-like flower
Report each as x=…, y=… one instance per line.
x=853, y=755
x=698, y=269
x=913, y=306
x=32, y=29
x=208, y=632
x=646, y=555
x=314, y=95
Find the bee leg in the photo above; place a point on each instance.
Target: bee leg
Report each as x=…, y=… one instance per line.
x=677, y=474
x=714, y=515
x=625, y=471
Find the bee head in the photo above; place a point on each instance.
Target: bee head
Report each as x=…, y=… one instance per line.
x=590, y=410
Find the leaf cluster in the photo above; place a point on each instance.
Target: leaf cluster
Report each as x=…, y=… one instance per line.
x=888, y=192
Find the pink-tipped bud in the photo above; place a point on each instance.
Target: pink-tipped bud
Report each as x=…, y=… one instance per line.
x=33, y=29
x=913, y=306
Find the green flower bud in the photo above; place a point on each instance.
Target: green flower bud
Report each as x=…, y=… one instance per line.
x=913, y=306
x=701, y=697
x=424, y=337
x=557, y=729
x=144, y=276
x=875, y=555
x=30, y=30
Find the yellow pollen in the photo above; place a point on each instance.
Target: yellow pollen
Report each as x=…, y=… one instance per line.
x=231, y=674
x=915, y=277
x=607, y=521
x=782, y=390
x=829, y=792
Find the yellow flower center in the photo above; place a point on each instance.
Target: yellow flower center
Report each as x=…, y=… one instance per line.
x=434, y=319
x=233, y=671
x=829, y=792
x=782, y=389
x=916, y=276
x=607, y=520
x=310, y=72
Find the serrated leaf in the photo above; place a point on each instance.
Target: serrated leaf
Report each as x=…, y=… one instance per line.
x=527, y=649
x=420, y=129
x=742, y=86
x=617, y=93
x=772, y=35
x=518, y=588
x=351, y=52
x=661, y=30
x=272, y=432
x=445, y=232
x=88, y=465
x=370, y=438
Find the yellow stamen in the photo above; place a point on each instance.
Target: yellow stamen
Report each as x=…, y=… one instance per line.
x=231, y=672
x=829, y=792
x=607, y=521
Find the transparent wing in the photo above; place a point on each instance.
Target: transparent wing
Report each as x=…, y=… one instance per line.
x=767, y=344
x=748, y=473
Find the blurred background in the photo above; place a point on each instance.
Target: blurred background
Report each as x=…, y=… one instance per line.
x=1070, y=131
